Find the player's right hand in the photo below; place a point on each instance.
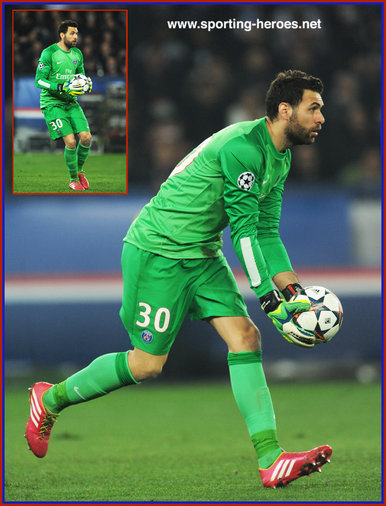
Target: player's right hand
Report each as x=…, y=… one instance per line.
x=70, y=89
x=281, y=313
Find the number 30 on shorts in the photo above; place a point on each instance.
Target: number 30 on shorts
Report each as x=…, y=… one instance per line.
x=161, y=317
x=56, y=124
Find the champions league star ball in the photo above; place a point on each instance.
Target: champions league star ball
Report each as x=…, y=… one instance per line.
x=325, y=316
x=245, y=180
x=79, y=82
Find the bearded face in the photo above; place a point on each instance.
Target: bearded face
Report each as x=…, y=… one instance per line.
x=298, y=134
x=70, y=38
x=306, y=120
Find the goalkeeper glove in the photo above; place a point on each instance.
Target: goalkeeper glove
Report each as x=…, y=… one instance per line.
x=290, y=290
x=89, y=82
x=70, y=89
x=281, y=313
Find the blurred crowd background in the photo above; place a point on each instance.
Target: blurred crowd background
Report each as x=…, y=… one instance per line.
x=101, y=39
x=186, y=84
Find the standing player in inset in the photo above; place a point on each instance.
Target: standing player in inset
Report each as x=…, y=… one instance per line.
x=58, y=64
x=173, y=265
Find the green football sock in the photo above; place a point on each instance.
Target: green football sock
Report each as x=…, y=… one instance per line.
x=254, y=401
x=105, y=374
x=82, y=152
x=71, y=161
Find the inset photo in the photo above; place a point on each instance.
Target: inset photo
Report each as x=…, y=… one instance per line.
x=69, y=102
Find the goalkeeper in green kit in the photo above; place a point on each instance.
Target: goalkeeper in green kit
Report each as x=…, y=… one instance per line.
x=58, y=64
x=173, y=265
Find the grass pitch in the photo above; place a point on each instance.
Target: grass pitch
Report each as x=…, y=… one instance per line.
x=47, y=173
x=189, y=443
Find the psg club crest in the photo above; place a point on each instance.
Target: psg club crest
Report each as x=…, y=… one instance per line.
x=245, y=180
x=75, y=62
x=147, y=336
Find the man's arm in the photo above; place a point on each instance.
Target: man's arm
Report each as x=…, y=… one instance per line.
x=283, y=279
x=274, y=251
x=241, y=202
x=239, y=162
x=43, y=71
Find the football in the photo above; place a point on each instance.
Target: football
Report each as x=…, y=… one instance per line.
x=325, y=317
x=79, y=82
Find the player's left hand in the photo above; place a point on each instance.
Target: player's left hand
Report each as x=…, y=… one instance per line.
x=89, y=82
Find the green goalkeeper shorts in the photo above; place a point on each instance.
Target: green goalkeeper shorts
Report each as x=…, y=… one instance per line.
x=158, y=292
x=65, y=119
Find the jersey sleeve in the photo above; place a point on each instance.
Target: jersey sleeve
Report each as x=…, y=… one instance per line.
x=43, y=71
x=272, y=247
x=241, y=162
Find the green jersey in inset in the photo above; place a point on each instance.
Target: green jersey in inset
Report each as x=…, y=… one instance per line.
x=236, y=176
x=56, y=67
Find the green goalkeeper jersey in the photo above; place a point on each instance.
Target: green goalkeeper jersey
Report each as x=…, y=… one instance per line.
x=236, y=176
x=56, y=67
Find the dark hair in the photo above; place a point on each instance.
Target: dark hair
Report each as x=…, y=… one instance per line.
x=63, y=27
x=288, y=86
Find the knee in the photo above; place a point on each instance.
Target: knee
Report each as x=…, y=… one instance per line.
x=144, y=366
x=70, y=143
x=249, y=339
x=150, y=370
x=85, y=139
